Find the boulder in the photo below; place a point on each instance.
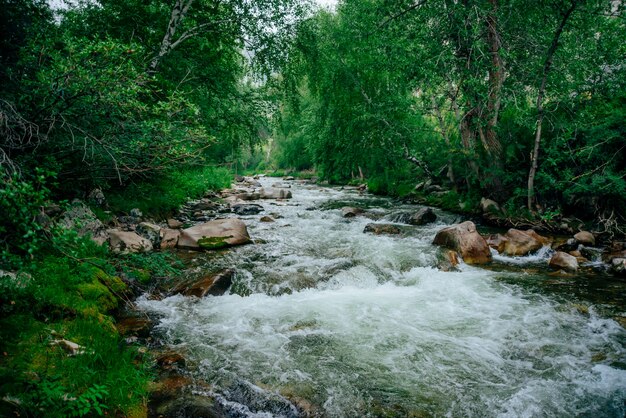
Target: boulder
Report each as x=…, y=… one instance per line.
x=215, y=234
x=150, y=231
x=96, y=197
x=213, y=284
x=82, y=219
x=247, y=196
x=136, y=213
x=174, y=224
x=350, y=212
x=585, y=238
x=464, y=239
x=422, y=217
x=497, y=242
x=125, y=242
x=448, y=261
x=522, y=242
x=169, y=238
x=379, y=229
x=563, y=261
x=135, y=326
x=266, y=219
x=567, y=246
x=245, y=209
x=275, y=193
x=289, y=178
x=488, y=206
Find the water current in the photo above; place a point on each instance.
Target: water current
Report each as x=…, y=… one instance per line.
x=326, y=320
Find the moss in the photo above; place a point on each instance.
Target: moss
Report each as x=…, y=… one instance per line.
x=97, y=293
x=213, y=243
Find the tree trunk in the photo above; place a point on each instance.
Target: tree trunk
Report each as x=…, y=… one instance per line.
x=496, y=80
x=446, y=138
x=540, y=96
x=179, y=11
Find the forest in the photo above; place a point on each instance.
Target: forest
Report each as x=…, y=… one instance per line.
x=153, y=103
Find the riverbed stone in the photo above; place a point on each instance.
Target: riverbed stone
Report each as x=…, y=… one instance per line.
x=465, y=239
x=382, y=229
x=519, y=243
x=150, y=231
x=275, y=193
x=174, y=223
x=169, y=238
x=564, y=261
x=80, y=218
x=618, y=266
x=585, y=238
x=422, y=217
x=266, y=219
x=489, y=207
x=125, y=242
x=215, y=284
x=351, y=212
x=215, y=234
x=497, y=242
x=246, y=209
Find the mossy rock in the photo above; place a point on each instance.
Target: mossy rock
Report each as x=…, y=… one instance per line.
x=97, y=293
x=214, y=243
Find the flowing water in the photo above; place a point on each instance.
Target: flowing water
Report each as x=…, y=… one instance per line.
x=326, y=320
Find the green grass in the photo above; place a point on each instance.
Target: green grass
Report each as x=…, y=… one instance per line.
x=160, y=198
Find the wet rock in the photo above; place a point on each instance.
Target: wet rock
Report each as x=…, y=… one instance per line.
x=590, y=253
x=518, y=243
x=257, y=400
x=274, y=193
x=150, y=231
x=464, y=239
x=96, y=197
x=564, y=261
x=125, y=242
x=351, y=212
x=240, y=179
x=243, y=209
x=289, y=178
x=567, y=246
x=497, y=242
x=169, y=238
x=213, y=284
x=422, y=217
x=134, y=326
x=618, y=266
x=380, y=229
x=174, y=223
x=202, y=205
x=190, y=406
x=448, y=261
x=266, y=219
x=489, y=207
x=220, y=233
x=585, y=238
x=82, y=220
x=170, y=360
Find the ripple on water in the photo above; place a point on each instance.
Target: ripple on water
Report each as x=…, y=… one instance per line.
x=376, y=331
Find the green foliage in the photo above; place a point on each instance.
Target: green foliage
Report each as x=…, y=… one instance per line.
x=162, y=196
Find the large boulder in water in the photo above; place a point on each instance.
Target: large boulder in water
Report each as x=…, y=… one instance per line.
x=422, y=217
x=275, y=193
x=351, y=212
x=213, y=235
x=245, y=209
x=382, y=229
x=214, y=284
x=564, y=261
x=464, y=239
x=518, y=242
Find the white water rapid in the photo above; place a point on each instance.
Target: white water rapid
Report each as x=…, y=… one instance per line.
x=334, y=322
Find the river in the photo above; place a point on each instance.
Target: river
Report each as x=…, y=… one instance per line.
x=325, y=320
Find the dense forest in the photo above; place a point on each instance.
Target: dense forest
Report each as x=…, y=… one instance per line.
x=154, y=102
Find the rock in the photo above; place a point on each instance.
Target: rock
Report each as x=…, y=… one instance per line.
x=128, y=242
x=362, y=187
x=449, y=261
x=169, y=238
x=136, y=213
x=134, y=326
x=274, y=193
x=350, y=212
x=170, y=360
x=570, y=245
x=239, y=179
x=433, y=188
x=96, y=197
x=82, y=219
x=70, y=347
x=489, y=207
x=213, y=284
x=289, y=178
x=251, y=182
x=464, y=239
x=266, y=219
x=187, y=406
x=618, y=266
x=585, y=238
x=497, y=242
x=150, y=231
x=419, y=186
x=422, y=217
x=202, y=204
x=215, y=234
x=247, y=196
x=174, y=224
x=379, y=229
x=245, y=209
x=522, y=242
x=564, y=261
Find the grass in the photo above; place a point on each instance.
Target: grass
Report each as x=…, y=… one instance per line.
x=160, y=198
